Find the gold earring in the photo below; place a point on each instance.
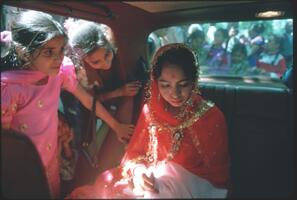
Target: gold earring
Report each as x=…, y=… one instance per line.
x=159, y=96
x=196, y=90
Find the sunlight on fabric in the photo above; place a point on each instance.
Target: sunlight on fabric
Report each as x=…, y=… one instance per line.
x=108, y=177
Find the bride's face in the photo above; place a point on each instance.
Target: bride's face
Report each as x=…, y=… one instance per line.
x=174, y=86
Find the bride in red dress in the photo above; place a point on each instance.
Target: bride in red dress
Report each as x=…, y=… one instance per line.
x=180, y=145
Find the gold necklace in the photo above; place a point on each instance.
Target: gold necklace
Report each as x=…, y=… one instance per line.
x=184, y=111
x=175, y=131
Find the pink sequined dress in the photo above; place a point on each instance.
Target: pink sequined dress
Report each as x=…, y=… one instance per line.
x=32, y=109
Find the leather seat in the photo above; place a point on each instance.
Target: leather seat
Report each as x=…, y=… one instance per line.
x=260, y=123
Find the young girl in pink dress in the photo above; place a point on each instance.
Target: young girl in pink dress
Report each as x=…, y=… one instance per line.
x=31, y=87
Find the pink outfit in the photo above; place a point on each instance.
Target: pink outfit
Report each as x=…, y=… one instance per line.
x=32, y=110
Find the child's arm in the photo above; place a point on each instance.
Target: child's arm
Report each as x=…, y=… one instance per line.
x=66, y=135
x=129, y=89
x=120, y=129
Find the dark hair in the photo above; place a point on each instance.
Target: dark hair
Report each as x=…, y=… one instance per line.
x=30, y=30
x=196, y=34
x=289, y=26
x=177, y=55
x=223, y=31
x=86, y=38
x=258, y=28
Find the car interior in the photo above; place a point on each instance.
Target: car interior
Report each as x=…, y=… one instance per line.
x=260, y=110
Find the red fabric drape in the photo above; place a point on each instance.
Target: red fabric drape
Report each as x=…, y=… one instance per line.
x=204, y=148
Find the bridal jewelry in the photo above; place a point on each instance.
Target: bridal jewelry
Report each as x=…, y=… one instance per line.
x=196, y=91
x=177, y=132
x=184, y=110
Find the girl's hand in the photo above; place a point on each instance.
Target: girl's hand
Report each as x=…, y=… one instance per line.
x=124, y=132
x=65, y=133
x=70, y=134
x=130, y=89
x=5, y=36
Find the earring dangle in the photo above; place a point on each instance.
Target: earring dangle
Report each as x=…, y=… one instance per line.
x=196, y=90
x=189, y=102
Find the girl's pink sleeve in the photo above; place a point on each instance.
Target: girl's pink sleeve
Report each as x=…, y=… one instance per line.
x=68, y=75
x=8, y=104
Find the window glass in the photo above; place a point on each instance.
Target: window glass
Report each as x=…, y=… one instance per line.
x=247, y=48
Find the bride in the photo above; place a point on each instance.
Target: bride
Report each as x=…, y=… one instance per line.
x=180, y=145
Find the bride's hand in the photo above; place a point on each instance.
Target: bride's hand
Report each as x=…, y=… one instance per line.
x=149, y=183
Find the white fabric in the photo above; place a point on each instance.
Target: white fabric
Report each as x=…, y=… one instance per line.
x=173, y=181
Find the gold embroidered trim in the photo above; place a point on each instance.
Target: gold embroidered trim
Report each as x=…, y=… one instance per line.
x=175, y=131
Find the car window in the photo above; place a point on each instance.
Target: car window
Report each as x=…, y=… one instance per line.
x=262, y=48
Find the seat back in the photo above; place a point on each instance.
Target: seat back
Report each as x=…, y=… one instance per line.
x=260, y=123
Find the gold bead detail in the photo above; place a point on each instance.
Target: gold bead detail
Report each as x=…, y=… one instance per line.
x=40, y=104
x=23, y=127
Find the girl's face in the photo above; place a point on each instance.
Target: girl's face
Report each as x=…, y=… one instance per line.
x=218, y=37
x=174, y=86
x=197, y=42
x=49, y=57
x=101, y=58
